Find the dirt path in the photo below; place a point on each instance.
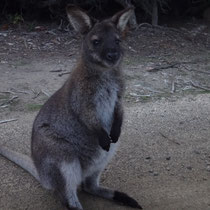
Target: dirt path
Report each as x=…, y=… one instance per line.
x=163, y=160
x=164, y=157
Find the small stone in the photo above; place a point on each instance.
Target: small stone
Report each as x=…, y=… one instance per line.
x=148, y=158
x=168, y=169
x=208, y=168
x=3, y=62
x=3, y=34
x=189, y=168
x=197, y=152
x=168, y=158
x=155, y=173
x=133, y=94
x=151, y=171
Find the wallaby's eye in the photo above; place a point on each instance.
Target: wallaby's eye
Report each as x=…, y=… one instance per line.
x=96, y=42
x=117, y=41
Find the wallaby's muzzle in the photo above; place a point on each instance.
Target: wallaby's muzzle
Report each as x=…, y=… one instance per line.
x=112, y=56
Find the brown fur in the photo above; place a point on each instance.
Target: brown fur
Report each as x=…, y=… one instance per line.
x=76, y=131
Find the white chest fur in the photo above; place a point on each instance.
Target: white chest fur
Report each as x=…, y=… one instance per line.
x=105, y=103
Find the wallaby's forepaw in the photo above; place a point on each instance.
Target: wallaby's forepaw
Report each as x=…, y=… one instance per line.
x=105, y=143
x=125, y=200
x=114, y=138
x=104, y=140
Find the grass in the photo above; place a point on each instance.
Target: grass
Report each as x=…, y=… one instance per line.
x=33, y=107
x=4, y=97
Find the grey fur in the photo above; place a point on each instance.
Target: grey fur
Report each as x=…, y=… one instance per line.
x=75, y=133
x=20, y=159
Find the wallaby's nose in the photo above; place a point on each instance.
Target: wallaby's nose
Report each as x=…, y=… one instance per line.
x=112, y=56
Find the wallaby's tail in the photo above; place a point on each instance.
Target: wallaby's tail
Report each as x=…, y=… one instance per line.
x=21, y=160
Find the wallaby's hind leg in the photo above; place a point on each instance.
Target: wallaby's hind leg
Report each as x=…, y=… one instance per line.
x=91, y=185
x=66, y=181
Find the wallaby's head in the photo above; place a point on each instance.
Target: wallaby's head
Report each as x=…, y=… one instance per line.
x=101, y=43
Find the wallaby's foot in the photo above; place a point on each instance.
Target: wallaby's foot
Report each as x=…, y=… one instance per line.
x=72, y=208
x=119, y=197
x=126, y=200
x=77, y=206
x=90, y=185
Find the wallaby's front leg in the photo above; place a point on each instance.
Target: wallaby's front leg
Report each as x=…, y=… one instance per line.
x=91, y=185
x=117, y=123
x=104, y=139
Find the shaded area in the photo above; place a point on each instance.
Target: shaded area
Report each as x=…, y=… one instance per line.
x=146, y=10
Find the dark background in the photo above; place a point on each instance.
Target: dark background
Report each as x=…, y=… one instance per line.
x=16, y=11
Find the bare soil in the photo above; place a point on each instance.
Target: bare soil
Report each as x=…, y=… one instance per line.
x=164, y=157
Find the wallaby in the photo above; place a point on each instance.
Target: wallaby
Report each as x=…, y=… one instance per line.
x=76, y=131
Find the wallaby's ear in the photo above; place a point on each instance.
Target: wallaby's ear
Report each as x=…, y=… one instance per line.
x=79, y=20
x=121, y=18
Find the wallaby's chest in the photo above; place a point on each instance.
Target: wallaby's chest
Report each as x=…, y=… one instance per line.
x=105, y=99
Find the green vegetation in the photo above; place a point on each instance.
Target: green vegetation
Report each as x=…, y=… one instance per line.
x=33, y=107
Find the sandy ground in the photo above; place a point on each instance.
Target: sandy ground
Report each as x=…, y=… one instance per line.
x=164, y=157
x=163, y=160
